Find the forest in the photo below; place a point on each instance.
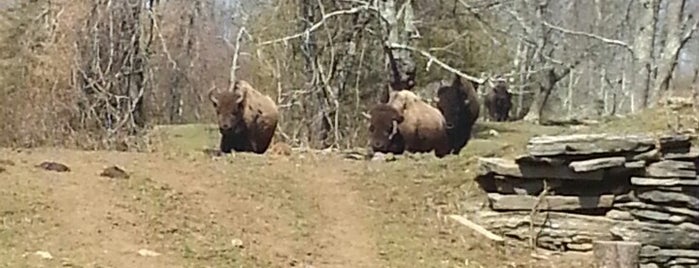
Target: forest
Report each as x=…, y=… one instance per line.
x=98, y=74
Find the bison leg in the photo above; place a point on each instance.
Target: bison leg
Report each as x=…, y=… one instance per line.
x=234, y=142
x=226, y=144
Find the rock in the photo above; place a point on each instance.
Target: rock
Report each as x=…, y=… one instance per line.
x=2, y=169
x=652, y=155
x=554, y=230
x=44, y=255
x=506, y=167
x=582, y=144
x=633, y=206
x=619, y=215
x=639, y=164
x=681, y=236
x=674, y=142
x=658, y=216
x=148, y=253
x=508, y=185
x=648, y=265
x=666, y=257
x=53, y=166
x=597, y=164
x=691, y=155
x=659, y=197
x=237, y=243
x=580, y=247
x=548, y=203
x=671, y=169
x=664, y=182
x=114, y=172
x=683, y=261
x=534, y=160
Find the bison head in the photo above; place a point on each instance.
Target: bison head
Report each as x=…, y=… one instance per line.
x=500, y=89
x=383, y=126
x=229, y=108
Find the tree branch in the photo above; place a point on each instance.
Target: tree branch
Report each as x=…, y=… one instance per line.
x=234, y=64
x=316, y=25
x=591, y=35
x=438, y=62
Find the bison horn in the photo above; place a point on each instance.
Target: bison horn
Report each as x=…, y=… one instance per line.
x=366, y=115
x=394, y=130
x=211, y=95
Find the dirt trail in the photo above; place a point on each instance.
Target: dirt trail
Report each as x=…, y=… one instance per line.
x=345, y=235
x=192, y=210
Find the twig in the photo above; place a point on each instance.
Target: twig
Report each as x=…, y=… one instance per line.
x=479, y=229
x=534, y=211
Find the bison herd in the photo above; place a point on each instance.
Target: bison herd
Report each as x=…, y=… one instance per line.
x=247, y=119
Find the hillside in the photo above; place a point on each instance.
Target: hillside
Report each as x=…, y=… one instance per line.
x=309, y=209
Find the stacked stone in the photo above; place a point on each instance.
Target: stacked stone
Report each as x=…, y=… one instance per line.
x=662, y=208
x=598, y=187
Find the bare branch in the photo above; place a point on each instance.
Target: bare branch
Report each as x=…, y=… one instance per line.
x=438, y=62
x=316, y=25
x=234, y=64
x=591, y=35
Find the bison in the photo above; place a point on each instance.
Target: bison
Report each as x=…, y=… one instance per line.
x=247, y=119
x=498, y=101
x=459, y=105
x=406, y=123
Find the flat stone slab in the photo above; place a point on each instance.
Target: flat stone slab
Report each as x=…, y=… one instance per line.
x=674, y=142
x=597, y=164
x=500, y=202
x=676, y=236
x=633, y=206
x=507, y=167
x=691, y=155
x=659, y=182
x=661, y=197
x=554, y=230
x=668, y=257
x=671, y=169
x=582, y=144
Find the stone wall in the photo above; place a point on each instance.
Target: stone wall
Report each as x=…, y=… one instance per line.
x=582, y=188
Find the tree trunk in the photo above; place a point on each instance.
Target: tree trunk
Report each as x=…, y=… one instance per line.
x=616, y=254
x=644, y=48
x=401, y=62
x=316, y=108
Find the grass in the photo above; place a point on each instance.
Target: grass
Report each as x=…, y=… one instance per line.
x=308, y=208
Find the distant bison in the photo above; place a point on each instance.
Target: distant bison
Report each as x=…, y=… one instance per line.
x=406, y=123
x=498, y=102
x=247, y=119
x=459, y=105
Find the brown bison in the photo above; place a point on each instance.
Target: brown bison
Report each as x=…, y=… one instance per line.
x=498, y=101
x=247, y=119
x=406, y=123
x=459, y=105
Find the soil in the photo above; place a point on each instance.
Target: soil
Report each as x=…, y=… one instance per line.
x=182, y=207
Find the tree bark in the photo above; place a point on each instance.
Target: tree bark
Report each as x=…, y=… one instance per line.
x=644, y=48
x=673, y=30
x=616, y=254
x=401, y=62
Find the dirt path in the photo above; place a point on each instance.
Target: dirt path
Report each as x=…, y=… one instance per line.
x=259, y=211
x=344, y=236
x=242, y=211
